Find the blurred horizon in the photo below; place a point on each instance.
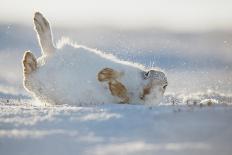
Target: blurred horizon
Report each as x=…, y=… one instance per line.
x=178, y=15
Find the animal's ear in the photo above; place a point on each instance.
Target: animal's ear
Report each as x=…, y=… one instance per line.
x=29, y=63
x=44, y=34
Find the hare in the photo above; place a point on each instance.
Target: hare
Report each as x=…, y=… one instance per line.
x=75, y=74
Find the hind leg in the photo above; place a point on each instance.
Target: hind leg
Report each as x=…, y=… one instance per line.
x=29, y=66
x=29, y=63
x=116, y=88
x=44, y=33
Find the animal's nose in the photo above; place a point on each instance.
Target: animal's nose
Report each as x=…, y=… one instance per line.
x=164, y=87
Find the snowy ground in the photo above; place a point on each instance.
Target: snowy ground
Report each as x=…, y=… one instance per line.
x=114, y=129
x=195, y=116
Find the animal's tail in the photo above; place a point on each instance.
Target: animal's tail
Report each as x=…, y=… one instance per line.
x=44, y=33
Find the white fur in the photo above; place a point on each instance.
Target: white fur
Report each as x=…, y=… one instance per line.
x=44, y=34
x=68, y=74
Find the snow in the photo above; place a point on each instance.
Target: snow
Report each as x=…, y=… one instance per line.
x=26, y=127
x=193, y=118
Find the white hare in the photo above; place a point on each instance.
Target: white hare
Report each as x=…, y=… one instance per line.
x=74, y=74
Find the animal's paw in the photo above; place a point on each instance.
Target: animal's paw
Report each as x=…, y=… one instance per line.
x=41, y=24
x=29, y=63
x=108, y=74
x=116, y=88
x=146, y=91
x=119, y=90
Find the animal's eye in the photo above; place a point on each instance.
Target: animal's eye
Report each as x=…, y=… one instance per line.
x=146, y=75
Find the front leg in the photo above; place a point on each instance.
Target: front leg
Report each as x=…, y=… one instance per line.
x=119, y=90
x=116, y=88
